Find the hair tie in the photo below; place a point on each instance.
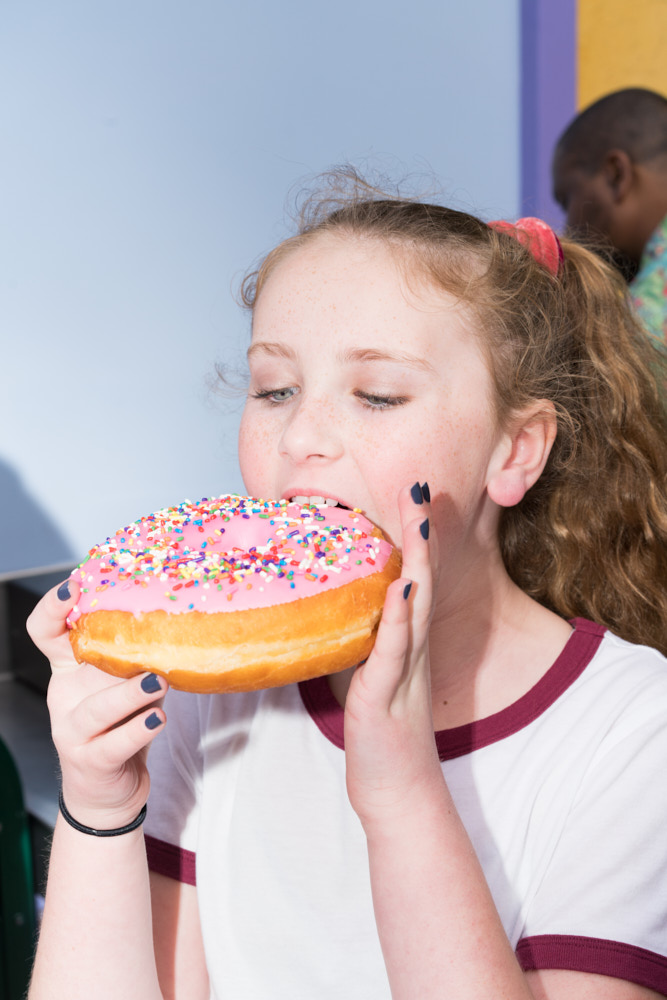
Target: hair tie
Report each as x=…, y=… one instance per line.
x=536, y=236
x=91, y=831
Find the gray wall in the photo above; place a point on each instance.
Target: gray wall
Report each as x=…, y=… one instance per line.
x=147, y=150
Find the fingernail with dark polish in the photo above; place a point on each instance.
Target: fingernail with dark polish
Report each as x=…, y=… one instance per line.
x=153, y=721
x=406, y=590
x=416, y=493
x=150, y=684
x=423, y=527
x=63, y=591
x=427, y=493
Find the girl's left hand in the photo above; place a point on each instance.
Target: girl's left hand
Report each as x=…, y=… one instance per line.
x=390, y=751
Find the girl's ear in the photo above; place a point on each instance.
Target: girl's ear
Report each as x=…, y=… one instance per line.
x=522, y=454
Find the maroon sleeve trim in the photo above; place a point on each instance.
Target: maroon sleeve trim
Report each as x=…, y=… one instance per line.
x=174, y=862
x=586, y=954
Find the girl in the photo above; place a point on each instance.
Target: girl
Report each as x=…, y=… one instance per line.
x=487, y=398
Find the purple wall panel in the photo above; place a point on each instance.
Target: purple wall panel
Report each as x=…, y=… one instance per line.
x=548, y=97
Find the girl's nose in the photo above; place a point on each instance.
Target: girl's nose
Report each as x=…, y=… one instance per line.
x=311, y=432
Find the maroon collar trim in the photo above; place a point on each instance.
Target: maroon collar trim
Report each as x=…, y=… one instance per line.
x=579, y=650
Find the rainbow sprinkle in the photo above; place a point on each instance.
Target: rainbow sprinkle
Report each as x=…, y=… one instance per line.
x=298, y=544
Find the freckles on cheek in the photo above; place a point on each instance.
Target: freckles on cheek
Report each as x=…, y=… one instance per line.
x=255, y=445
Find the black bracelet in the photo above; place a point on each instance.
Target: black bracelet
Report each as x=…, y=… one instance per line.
x=99, y=833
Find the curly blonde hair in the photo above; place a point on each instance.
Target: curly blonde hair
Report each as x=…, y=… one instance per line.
x=590, y=538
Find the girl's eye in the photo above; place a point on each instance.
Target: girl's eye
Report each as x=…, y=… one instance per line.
x=375, y=402
x=275, y=396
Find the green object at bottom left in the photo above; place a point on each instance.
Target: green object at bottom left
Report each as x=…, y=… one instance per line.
x=17, y=894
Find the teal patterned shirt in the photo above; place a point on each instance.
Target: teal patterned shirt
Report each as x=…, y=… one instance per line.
x=649, y=288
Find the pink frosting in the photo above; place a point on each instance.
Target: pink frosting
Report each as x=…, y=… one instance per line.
x=227, y=554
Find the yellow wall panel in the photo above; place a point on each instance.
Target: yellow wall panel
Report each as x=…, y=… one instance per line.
x=621, y=43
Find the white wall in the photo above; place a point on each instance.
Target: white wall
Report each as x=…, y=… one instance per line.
x=147, y=149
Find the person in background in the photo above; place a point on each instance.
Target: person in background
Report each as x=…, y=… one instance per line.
x=610, y=177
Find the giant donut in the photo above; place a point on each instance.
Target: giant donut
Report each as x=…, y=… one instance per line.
x=234, y=594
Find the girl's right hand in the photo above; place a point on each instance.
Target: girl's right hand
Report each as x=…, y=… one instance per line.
x=101, y=725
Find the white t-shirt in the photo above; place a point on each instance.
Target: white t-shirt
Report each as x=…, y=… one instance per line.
x=563, y=794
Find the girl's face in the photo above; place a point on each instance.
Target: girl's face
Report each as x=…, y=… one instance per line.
x=359, y=386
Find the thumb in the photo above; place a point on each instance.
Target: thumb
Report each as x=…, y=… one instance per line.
x=47, y=625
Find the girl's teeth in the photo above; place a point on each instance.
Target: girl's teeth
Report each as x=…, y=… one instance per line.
x=322, y=501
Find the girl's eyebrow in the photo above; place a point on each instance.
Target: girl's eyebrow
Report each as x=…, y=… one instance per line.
x=396, y=357
x=358, y=356
x=276, y=350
